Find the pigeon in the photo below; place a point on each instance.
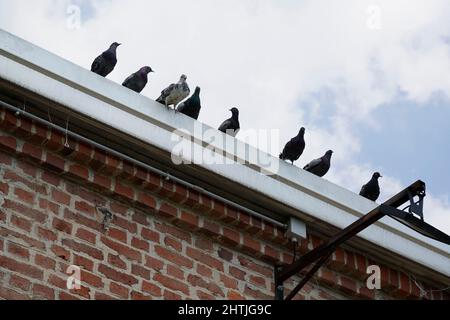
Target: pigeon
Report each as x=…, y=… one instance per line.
x=371, y=190
x=294, y=148
x=191, y=107
x=320, y=166
x=104, y=64
x=175, y=93
x=231, y=126
x=137, y=81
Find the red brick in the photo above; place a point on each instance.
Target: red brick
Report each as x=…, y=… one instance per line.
x=117, y=234
x=245, y=262
x=80, y=247
x=257, y=280
x=51, y=178
x=60, y=197
x=49, y=207
x=150, y=235
x=251, y=246
x=168, y=188
x=173, y=243
x=229, y=282
x=173, y=257
x=24, y=196
x=21, y=223
x=62, y=225
x=237, y=273
x=116, y=261
x=83, y=262
x=230, y=216
x=204, y=296
x=86, y=235
x=140, y=244
x=4, y=188
x=121, y=249
x=219, y=210
x=202, y=257
x=103, y=297
x=151, y=288
x=25, y=211
x=22, y=268
x=230, y=237
x=225, y=254
x=175, y=272
x=147, y=200
x=32, y=151
x=83, y=153
x=18, y=251
x=205, y=204
x=9, y=294
x=270, y=254
x=44, y=262
x=78, y=218
x=210, y=229
x=85, y=208
x=66, y=297
x=188, y=221
x=140, y=271
x=43, y=292
x=171, y=283
x=329, y=278
x=256, y=294
x=119, y=290
x=60, y=252
x=174, y=231
x=153, y=183
x=30, y=242
x=204, y=271
x=348, y=285
x=138, y=296
x=204, y=244
x=193, y=198
x=19, y=282
x=235, y=296
x=102, y=182
x=91, y=279
x=8, y=143
x=168, y=211
x=125, y=224
x=53, y=162
x=180, y=195
x=117, y=276
x=124, y=191
x=6, y=159
x=154, y=263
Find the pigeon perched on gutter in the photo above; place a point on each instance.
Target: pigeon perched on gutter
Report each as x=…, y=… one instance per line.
x=294, y=148
x=191, y=107
x=104, y=64
x=137, y=81
x=371, y=190
x=321, y=166
x=231, y=126
x=175, y=93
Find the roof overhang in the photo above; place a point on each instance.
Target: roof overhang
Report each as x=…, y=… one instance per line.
x=109, y=113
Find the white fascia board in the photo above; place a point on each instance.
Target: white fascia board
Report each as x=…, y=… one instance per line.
x=54, y=78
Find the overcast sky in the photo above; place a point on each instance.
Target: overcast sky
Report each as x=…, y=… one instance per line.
x=368, y=79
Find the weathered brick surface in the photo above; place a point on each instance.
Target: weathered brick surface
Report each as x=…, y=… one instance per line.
x=164, y=241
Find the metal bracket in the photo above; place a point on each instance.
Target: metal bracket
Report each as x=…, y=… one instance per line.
x=320, y=255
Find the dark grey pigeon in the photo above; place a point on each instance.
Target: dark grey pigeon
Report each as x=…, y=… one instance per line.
x=294, y=148
x=104, y=64
x=371, y=190
x=191, y=107
x=137, y=81
x=321, y=166
x=175, y=93
x=231, y=126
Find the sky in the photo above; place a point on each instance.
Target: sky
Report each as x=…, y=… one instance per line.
x=368, y=79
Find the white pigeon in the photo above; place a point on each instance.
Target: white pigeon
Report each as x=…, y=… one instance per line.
x=175, y=93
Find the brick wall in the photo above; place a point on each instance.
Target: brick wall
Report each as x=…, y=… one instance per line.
x=164, y=241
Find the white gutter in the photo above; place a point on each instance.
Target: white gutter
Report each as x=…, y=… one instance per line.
x=56, y=79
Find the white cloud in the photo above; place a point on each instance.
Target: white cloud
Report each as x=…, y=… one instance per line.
x=265, y=57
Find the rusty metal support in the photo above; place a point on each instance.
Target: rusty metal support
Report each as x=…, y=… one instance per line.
x=324, y=251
